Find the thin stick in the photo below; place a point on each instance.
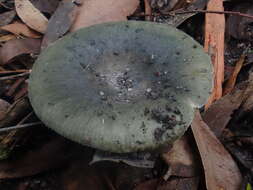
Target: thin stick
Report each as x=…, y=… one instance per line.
x=197, y=11
x=17, y=71
x=5, y=6
x=15, y=76
x=216, y=12
x=20, y=126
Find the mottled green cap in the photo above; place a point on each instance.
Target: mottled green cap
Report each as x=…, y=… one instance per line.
x=121, y=87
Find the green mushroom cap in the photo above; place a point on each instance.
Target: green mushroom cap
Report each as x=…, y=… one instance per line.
x=121, y=87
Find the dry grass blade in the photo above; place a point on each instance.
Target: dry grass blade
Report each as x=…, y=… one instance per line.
x=214, y=45
x=230, y=84
x=31, y=16
x=221, y=171
x=98, y=11
x=20, y=29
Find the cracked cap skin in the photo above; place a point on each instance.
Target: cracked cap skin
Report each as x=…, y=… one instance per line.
x=121, y=87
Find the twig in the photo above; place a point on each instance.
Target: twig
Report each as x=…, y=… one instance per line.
x=197, y=11
x=20, y=126
x=216, y=12
x=5, y=6
x=15, y=71
x=15, y=76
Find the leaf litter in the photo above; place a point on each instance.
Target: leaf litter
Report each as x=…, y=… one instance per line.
x=181, y=165
x=31, y=15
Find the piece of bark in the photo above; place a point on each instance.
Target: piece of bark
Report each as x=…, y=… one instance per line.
x=214, y=46
x=221, y=171
x=92, y=12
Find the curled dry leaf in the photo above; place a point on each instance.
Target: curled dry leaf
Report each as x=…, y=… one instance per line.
x=18, y=28
x=59, y=23
x=31, y=16
x=214, y=45
x=16, y=47
x=98, y=11
x=221, y=171
x=7, y=17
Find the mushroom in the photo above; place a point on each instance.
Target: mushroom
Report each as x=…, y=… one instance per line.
x=121, y=87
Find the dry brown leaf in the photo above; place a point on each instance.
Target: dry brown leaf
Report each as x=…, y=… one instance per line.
x=219, y=113
x=18, y=28
x=190, y=183
x=31, y=16
x=98, y=11
x=48, y=6
x=148, y=185
x=74, y=178
x=221, y=171
x=51, y=155
x=230, y=84
x=7, y=37
x=16, y=47
x=214, y=45
x=59, y=23
x=181, y=159
x=7, y=17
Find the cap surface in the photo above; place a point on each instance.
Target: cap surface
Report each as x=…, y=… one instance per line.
x=121, y=87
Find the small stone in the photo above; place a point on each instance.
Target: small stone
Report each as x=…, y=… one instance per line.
x=148, y=90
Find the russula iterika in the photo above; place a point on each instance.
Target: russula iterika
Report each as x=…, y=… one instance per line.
x=121, y=87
